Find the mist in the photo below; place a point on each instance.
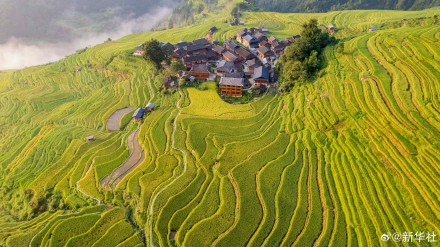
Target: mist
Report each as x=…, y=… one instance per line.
x=18, y=53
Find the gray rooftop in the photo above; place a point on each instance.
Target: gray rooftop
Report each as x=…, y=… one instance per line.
x=229, y=81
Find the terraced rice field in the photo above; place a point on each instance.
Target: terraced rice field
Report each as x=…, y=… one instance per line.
x=336, y=162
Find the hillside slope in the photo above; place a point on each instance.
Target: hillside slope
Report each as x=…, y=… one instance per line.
x=332, y=5
x=337, y=162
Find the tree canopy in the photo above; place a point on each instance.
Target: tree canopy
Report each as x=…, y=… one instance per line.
x=154, y=52
x=303, y=58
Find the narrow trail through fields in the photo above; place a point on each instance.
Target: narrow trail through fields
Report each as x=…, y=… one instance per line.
x=84, y=193
x=113, y=123
x=156, y=194
x=135, y=158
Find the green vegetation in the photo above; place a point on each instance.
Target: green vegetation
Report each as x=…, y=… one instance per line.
x=332, y=5
x=154, y=52
x=302, y=59
x=336, y=162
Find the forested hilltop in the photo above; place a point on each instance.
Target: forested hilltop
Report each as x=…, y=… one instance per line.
x=310, y=6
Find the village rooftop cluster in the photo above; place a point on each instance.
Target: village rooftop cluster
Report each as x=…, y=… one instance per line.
x=246, y=63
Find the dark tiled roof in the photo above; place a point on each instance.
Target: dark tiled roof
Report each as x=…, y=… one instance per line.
x=259, y=35
x=139, y=113
x=250, y=38
x=272, y=39
x=168, y=46
x=223, y=64
x=263, y=50
x=230, y=56
x=196, y=58
x=235, y=75
x=229, y=81
x=195, y=47
x=264, y=43
x=210, y=54
x=180, y=52
x=201, y=68
x=232, y=46
x=261, y=73
x=253, y=63
x=218, y=49
x=242, y=32
x=244, y=53
x=201, y=41
x=181, y=44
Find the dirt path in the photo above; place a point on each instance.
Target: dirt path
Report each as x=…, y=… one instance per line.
x=136, y=157
x=84, y=193
x=115, y=118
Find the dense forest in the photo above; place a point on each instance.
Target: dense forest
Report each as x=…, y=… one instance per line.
x=330, y=5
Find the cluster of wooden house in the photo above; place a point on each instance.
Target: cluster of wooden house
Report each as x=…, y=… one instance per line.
x=246, y=63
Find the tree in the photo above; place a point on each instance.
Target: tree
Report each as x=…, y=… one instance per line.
x=177, y=65
x=302, y=59
x=154, y=52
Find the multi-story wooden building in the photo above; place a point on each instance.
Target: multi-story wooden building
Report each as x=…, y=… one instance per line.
x=200, y=71
x=232, y=87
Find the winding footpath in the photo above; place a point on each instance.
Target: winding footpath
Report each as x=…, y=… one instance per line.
x=137, y=155
x=113, y=122
x=156, y=194
x=84, y=193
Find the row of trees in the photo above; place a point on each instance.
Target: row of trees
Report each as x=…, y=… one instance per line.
x=304, y=57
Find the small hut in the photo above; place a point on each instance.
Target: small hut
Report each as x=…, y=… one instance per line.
x=150, y=106
x=90, y=138
x=138, y=115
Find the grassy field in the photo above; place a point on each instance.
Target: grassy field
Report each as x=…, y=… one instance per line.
x=336, y=162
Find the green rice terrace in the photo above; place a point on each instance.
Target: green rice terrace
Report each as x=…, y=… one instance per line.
x=335, y=162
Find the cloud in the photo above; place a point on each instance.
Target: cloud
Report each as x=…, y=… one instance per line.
x=16, y=53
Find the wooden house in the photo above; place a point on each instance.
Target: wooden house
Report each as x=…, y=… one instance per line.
x=200, y=71
x=190, y=61
x=138, y=115
x=181, y=44
x=170, y=82
x=231, y=46
x=232, y=87
x=139, y=51
x=223, y=67
x=168, y=47
x=218, y=49
x=271, y=39
x=278, y=47
x=261, y=76
x=179, y=53
x=252, y=64
x=331, y=29
x=150, y=106
x=230, y=57
x=212, y=30
x=250, y=41
x=244, y=54
x=201, y=41
x=241, y=34
x=194, y=49
x=260, y=36
x=264, y=52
